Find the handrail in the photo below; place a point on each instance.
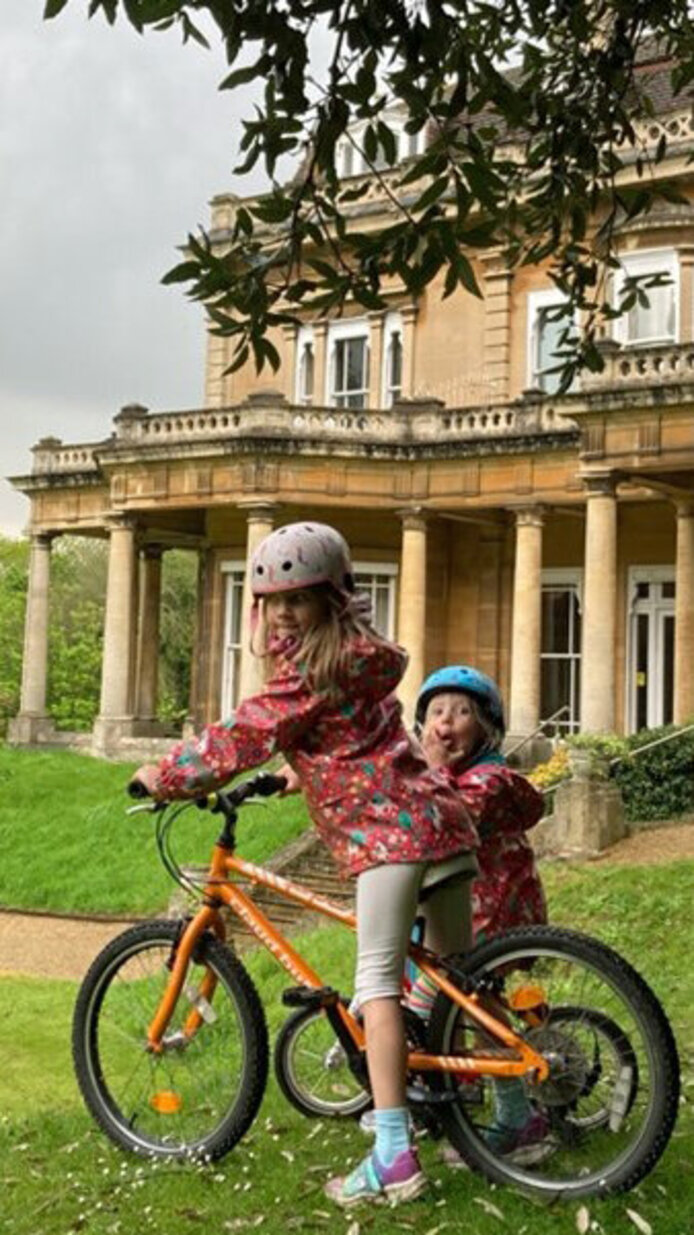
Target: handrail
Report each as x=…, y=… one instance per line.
x=649, y=745
x=528, y=738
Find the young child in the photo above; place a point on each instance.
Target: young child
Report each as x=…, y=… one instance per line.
x=460, y=720
x=329, y=708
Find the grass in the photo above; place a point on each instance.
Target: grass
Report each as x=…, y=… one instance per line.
x=68, y=845
x=58, y=1175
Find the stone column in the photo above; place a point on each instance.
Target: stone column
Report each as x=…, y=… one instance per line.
x=412, y=604
x=409, y=317
x=599, y=607
x=148, y=634
x=32, y=720
x=320, y=364
x=115, y=719
x=524, y=713
x=260, y=522
x=684, y=615
x=376, y=324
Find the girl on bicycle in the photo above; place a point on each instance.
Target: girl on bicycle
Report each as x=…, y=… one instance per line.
x=460, y=721
x=329, y=707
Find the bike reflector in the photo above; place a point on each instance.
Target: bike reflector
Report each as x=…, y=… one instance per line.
x=526, y=997
x=166, y=1102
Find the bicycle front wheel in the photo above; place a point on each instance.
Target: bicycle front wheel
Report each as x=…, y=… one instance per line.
x=202, y=1092
x=603, y=1116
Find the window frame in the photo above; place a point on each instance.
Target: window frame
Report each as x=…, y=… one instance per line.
x=389, y=569
x=565, y=579
x=537, y=302
x=656, y=609
x=347, y=330
x=392, y=326
x=649, y=261
x=231, y=675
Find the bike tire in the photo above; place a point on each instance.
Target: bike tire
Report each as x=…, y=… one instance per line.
x=314, y=1086
x=572, y=1161
x=199, y=1096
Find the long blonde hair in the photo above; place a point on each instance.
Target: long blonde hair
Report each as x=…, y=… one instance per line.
x=323, y=652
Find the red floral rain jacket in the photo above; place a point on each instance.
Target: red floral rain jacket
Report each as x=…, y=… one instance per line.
x=504, y=806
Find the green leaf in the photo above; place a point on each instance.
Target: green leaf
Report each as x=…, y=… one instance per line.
x=52, y=8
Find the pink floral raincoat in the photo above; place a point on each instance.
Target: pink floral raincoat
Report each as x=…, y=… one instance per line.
x=368, y=788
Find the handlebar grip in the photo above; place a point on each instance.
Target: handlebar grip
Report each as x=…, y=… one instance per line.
x=137, y=790
x=266, y=783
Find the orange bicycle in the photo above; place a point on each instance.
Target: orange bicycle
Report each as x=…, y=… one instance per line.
x=171, y=1049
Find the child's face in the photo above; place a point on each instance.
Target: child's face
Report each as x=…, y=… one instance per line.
x=450, y=728
x=292, y=614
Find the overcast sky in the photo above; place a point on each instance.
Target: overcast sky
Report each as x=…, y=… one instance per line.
x=111, y=147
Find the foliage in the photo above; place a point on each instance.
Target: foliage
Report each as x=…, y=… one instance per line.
x=659, y=783
x=531, y=110
x=549, y=774
x=14, y=556
x=78, y=586
x=76, y=849
x=178, y=604
x=60, y=1174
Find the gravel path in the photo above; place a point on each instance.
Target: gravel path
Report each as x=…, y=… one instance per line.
x=46, y=946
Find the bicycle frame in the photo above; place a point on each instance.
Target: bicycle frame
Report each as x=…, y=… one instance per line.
x=220, y=890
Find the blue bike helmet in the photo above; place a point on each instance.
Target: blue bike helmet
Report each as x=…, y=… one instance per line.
x=469, y=681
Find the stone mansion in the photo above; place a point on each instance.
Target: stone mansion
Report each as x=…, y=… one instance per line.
x=547, y=540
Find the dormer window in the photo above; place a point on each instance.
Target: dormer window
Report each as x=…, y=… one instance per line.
x=350, y=160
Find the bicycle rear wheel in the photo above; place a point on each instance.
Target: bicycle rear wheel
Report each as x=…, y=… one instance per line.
x=200, y=1094
x=610, y=1101
x=312, y=1069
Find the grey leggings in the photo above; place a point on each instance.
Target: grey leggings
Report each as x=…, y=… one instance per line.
x=387, y=900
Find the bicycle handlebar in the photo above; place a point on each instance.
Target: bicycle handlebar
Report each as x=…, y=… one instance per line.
x=262, y=786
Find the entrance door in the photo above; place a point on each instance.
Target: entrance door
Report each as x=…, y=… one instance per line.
x=652, y=648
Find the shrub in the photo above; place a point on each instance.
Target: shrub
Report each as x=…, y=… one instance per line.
x=659, y=783
x=556, y=769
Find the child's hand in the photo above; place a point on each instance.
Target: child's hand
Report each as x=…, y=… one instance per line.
x=144, y=781
x=293, y=784
x=437, y=753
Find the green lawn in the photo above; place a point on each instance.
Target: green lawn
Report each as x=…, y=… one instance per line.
x=58, y=1175
x=67, y=843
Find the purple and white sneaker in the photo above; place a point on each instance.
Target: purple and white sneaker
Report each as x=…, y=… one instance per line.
x=402, y=1181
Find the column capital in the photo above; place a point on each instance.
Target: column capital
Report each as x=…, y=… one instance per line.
x=529, y=516
x=152, y=552
x=413, y=518
x=377, y=317
x=117, y=521
x=684, y=508
x=321, y=327
x=408, y=312
x=257, y=511
x=601, y=484
x=43, y=540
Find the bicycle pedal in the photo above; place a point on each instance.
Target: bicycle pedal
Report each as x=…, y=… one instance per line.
x=310, y=997
x=417, y=1094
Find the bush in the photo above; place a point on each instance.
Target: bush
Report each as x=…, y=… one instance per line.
x=660, y=783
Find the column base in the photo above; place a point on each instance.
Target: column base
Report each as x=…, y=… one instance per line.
x=534, y=750
x=30, y=729
x=108, y=733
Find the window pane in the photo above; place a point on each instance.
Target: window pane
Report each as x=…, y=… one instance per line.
x=555, y=620
x=668, y=667
x=657, y=320
x=641, y=671
x=555, y=686
x=643, y=590
x=668, y=591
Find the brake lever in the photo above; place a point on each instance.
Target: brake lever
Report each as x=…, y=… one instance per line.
x=149, y=808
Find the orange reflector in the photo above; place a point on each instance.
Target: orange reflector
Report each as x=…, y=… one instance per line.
x=166, y=1102
x=526, y=997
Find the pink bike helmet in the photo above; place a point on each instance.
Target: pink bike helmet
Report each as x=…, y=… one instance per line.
x=301, y=555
